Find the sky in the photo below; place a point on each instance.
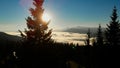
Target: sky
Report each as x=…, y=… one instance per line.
x=64, y=13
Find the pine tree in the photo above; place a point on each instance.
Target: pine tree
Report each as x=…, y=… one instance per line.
x=37, y=32
x=99, y=36
x=113, y=30
x=87, y=42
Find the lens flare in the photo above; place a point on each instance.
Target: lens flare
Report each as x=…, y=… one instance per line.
x=46, y=17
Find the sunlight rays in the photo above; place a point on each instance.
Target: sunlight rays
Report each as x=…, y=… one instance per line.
x=46, y=17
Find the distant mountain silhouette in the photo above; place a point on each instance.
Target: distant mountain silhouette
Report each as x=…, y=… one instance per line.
x=82, y=29
x=7, y=37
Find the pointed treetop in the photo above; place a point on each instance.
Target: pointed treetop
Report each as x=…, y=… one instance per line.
x=114, y=7
x=114, y=14
x=38, y=3
x=99, y=25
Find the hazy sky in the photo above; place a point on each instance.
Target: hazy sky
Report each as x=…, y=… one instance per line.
x=64, y=13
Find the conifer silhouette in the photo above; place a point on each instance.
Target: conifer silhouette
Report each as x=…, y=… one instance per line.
x=37, y=31
x=99, y=36
x=113, y=30
x=87, y=42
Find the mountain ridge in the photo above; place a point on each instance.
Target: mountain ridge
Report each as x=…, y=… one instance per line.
x=7, y=37
x=82, y=29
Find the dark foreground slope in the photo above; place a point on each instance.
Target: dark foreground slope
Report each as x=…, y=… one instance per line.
x=56, y=55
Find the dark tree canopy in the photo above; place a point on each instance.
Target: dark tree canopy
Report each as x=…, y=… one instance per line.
x=37, y=31
x=113, y=30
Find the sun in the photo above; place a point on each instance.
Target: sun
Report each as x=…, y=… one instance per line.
x=46, y=17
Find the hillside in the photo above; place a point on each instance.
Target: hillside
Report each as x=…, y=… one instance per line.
x=7, y=37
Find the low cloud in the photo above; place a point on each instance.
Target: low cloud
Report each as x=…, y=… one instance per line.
x=65, y=37
x=68, y=37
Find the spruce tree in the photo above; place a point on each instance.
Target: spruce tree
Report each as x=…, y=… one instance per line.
x=99, y=38
x=87, y=42
x=113, y=30
x=37, y=32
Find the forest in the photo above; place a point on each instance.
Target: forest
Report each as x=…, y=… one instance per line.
x=36, y=49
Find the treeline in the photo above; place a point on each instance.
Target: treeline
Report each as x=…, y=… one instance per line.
x=109, y=37
x=58, y=55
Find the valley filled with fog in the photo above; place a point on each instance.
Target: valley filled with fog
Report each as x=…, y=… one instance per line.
x=65, y=37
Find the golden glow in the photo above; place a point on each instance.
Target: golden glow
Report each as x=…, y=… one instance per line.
x=46, y=17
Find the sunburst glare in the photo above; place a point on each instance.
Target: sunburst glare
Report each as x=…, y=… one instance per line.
x=46, y=17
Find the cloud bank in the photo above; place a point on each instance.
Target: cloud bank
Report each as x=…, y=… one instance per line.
x=65, y=37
